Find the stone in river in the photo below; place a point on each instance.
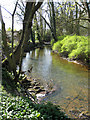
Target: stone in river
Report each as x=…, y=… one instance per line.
x=36, y=87
x=85, y=114
x=74, y=111
x=37, y=84
x=40, y=90
x=41, y=94
x=31, y=90
x=68, y=98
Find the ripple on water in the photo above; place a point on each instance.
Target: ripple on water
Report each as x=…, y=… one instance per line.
x=70, y=79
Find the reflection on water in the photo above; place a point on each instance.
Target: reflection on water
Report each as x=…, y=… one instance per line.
x=71, y=80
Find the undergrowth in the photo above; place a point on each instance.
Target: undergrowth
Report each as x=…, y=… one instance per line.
x=73, y=47
x=22, y=108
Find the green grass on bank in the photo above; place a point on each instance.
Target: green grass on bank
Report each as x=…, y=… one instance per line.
x=22, y=108
x=73, y=47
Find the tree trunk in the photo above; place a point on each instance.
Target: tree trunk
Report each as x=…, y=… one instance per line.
x=33, y=9
x=77, y=21
x=33, y=36
x=38, y=30
x=52, y=19
x=30, y=10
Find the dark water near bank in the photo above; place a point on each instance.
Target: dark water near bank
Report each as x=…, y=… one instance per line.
x=69, y=79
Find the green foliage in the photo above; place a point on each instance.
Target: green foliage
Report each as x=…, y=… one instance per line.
x=51, y=112
x=7, y=81
x=47, y=36
x=52, y=42
x=17, y=108
x=9, y=29
x=57, y=46
x=73, y=47
x=23, y=108
x=10, y=44
x=61, y=37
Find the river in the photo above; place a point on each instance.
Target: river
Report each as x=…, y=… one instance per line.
x=69, y=79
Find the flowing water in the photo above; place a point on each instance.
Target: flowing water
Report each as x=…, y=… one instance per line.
x=69, y=79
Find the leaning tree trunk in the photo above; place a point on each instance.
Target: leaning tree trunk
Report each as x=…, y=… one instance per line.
x=31, y=8
x=28, y=28
x=11, y=60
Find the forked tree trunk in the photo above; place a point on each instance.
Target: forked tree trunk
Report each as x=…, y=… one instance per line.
x=31, y=8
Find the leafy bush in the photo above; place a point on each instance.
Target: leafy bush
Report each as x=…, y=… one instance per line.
x=57, y=46
x=22, y=108
x=51, y=112
x=61, y=37
x=73, y=47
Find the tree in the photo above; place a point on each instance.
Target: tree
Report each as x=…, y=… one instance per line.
x=32, y=36
x=11, y=60
x=30, y=9
x=52, y=18
x=38, y=30
x=77, y=21
x=72, y=18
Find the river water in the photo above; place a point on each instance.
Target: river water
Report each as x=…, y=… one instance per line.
x=69, y=79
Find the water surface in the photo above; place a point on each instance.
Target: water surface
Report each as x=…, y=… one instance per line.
x=69, y=79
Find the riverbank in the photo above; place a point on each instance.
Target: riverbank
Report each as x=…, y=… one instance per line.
x=71, y=60
x=48, y=65
x=18, y=100
x=74, y=49
x=32, y=89
x=35, y=90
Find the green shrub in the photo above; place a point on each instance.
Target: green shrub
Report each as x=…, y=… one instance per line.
x=73, y=47
x=81, y=52
x=61, y=37
x=51, y=112
x=57, y=46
